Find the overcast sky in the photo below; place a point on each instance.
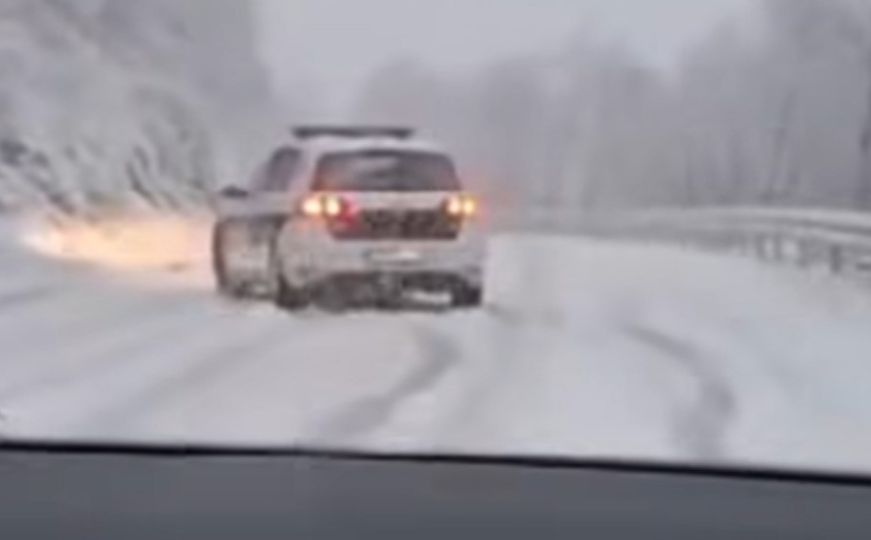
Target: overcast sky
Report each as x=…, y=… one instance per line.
x=337, y=42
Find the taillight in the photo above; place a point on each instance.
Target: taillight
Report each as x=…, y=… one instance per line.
x=313, y=207
x=326, y=206
x=461, y=206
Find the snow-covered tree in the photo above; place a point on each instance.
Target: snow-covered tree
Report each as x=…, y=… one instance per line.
x=109, y=102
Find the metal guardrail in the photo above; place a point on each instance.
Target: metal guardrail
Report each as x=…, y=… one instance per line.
x=832, y=241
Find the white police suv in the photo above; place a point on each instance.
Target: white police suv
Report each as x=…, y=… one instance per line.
x=351, y=214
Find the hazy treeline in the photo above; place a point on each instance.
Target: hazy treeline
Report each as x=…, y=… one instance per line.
x=104, y=100
x=774, y=113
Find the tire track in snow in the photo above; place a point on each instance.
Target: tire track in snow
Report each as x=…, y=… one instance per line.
x=14, y=299
x=701, y=429
x=128, y=388
x=196, y=373
x=82, y=357
x=503, y=346
x=72, y=314
x=477, y=355
x=441, y=355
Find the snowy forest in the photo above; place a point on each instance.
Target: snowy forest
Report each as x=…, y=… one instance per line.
x=779, y=114
x=112, y=103
x=115, y=102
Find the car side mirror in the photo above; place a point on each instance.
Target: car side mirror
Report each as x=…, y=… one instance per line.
x=233, y=192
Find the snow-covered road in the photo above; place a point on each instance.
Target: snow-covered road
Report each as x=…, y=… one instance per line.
x=585, y=349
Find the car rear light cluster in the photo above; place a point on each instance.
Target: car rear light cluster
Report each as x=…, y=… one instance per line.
x=461, y=206
x=327, y=206
x=332, y=206
x=345, y=221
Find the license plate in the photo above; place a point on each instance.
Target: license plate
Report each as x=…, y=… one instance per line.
x=400, y=256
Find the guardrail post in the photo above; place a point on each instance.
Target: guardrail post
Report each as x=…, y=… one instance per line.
x=810, y=254
x=836, y=259
x=761, y=244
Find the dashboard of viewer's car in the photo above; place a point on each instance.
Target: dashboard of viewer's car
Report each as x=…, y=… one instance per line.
x=91, y=493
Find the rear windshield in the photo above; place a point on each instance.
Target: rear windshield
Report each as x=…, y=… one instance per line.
x=386, y=170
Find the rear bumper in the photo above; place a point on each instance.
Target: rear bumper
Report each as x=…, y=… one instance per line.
x=376, y=282
x=309, y=260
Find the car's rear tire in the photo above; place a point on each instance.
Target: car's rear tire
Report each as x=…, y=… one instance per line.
x=334, y=296
x=389, y=300
x=225, y=283
x=290, y=298
x=285, y=295
x=467, y=296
